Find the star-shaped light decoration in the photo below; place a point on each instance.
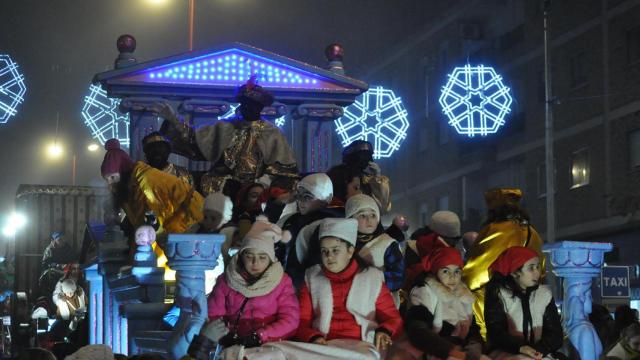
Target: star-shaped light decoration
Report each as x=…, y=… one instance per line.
x=377, y=116
x=12, y=88
x=475, y=100
x=102, y=116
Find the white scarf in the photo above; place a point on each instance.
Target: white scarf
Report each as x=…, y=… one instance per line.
x=267, y=282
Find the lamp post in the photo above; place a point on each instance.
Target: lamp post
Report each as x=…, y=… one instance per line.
x=548, y=132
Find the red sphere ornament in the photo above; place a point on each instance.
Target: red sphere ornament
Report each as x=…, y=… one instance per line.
x=334, y=52
x=126, y=43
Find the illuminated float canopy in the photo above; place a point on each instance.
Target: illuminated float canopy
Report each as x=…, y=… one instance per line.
x=12, y=88
x=475, y=100
x=216, y=73
x=101, y=115
x=377, y=116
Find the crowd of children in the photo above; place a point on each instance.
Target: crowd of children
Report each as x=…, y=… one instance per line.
x=330, y=282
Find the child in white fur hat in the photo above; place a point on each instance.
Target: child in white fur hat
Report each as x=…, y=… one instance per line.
x=374, y=245
x=346, y=310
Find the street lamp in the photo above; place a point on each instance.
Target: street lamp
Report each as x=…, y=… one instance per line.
x=15, y=222
x=54, y=150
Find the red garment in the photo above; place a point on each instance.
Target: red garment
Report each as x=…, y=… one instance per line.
x=343, y=324
x=426, y=244
x=511, y=259
x=115, y=160
x=441, y=258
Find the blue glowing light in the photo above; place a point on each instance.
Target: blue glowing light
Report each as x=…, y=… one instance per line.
x=102, y=116
x=475, y=100
x=12, y=88
x=279, y=122
x=377, y=116
x=237, y=63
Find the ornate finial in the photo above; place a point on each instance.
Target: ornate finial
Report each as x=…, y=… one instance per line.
x=126, y=46
x=335, y=54
x=126, y=43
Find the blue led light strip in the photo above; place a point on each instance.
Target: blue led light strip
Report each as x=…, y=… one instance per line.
x=232, y=67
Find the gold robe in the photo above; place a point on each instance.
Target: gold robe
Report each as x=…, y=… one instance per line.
x=180, y=172
x=493, y=239
x=175, y=203
x=237, y=149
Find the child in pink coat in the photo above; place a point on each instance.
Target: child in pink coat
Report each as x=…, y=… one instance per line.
x=254, y=296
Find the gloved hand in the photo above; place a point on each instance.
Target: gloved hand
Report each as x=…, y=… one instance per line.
x=229, y=340
x=252, y=340
x=215, y=330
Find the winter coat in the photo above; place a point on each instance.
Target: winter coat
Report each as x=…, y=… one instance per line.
x=352, y=304
x=511, y=325
x=383, y=253
x=439, y=319
x=271, y=308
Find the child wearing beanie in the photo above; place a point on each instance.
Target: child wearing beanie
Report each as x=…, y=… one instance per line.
x=254, y=297
x=440, y=321
x=346, y=310
x=373, y=245
x=520, y=314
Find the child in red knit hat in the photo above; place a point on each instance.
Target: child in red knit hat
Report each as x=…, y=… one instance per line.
x=520, y=313
x=439, y=320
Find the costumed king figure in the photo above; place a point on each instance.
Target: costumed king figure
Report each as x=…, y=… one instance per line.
x=241, y=150
x=507, y=225
x=157, y=150
x=138, y=188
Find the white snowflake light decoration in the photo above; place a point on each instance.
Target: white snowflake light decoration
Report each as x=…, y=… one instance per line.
x=377, y=116
x=102, y=116
x=12, y=88
x=475, y=100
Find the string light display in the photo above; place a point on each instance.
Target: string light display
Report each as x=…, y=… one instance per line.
x=475, y=100
x=377, y=116
x=12, y=88
x=104, y=119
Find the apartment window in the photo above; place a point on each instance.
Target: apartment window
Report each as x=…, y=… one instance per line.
x=580, y=168
x=443, y=202
x=634, y=149
x=633, y=45
x=578, y=65
x=424, y=214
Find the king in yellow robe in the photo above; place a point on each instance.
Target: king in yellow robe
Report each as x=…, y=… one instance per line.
x=508, y=226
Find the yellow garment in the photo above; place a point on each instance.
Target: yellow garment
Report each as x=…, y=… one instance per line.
x=174, y=202
x=493, y=239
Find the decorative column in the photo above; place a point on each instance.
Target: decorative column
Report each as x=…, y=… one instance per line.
x=95, y=304
x=190, y=255
x=576, y=263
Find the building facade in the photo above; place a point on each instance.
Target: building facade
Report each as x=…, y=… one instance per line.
x=595, y=67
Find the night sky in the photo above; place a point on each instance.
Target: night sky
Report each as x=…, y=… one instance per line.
x=60, y=44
